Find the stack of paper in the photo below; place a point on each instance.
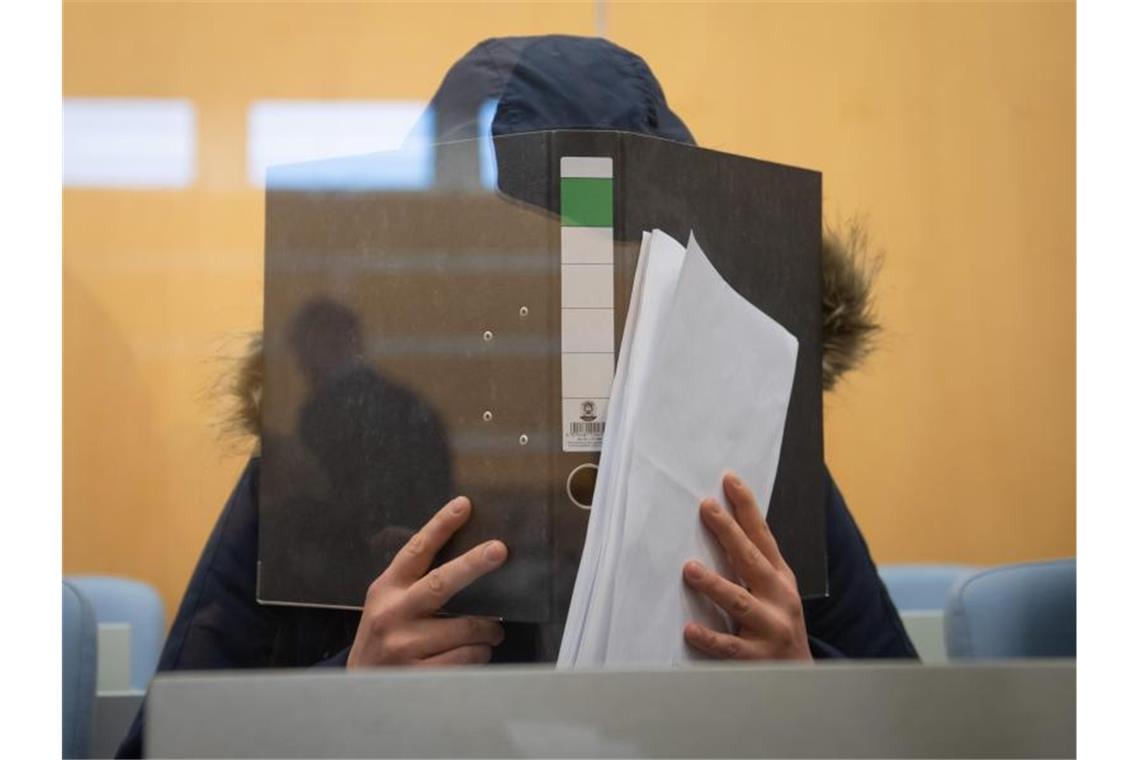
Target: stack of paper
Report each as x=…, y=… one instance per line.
x=701, y=387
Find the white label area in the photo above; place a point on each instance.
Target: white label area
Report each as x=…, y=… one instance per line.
x=588, y=245
x=587, y=300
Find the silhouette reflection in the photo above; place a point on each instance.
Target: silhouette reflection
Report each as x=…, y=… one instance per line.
x=380, y=452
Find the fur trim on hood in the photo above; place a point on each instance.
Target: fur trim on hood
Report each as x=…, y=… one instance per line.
x=850, y=325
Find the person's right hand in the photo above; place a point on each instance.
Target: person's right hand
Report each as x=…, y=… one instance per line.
x=398, y=625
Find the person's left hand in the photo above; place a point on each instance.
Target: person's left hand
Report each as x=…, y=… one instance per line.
x=766, y=608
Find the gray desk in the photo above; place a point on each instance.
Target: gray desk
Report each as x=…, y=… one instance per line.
x=846, y=710
x=111, y=719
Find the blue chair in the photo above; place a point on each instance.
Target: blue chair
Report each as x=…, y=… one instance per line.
x=79, y=650
x=121, y=600
x=922, y=587
x=1025, y=610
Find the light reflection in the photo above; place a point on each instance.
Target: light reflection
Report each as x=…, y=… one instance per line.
x=488, y=165
x=129, y=143
x=352, y=145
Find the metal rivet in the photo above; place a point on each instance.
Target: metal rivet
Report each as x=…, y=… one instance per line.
x=487, y=336
x=523, y=440
x=523, y=312
x=487, y=416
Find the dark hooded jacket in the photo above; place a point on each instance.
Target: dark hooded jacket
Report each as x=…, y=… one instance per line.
x=540, y=83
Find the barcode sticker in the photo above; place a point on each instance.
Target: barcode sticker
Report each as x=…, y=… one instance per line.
x=583, y=423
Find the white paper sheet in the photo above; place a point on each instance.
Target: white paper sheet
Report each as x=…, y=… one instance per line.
x=702, y=387
x=663, y=262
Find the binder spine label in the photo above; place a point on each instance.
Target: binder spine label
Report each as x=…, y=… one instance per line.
x=587, y=258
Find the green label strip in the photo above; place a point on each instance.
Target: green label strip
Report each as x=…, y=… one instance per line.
x=587, y=202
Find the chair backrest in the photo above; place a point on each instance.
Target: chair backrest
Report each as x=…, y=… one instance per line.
x=121, y=600
x=922, y=587
x=78, y=671
x=1024, y=610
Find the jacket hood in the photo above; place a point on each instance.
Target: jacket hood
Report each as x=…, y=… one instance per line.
x=552, y=82
x=563, y=82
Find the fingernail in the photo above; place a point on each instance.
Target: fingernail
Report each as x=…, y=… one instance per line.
x=710, y=506
x=459, y=505
x=496, y=551
x=733, y=480
x=694, y=570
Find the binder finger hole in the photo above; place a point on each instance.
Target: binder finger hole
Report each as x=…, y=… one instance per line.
x=580, y=485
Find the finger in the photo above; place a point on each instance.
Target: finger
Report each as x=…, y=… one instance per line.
x=474, y=654
x=431, y=636
x=416, y=556
x=747, y=512
x=746, y=559
x=748, y=611
x=433, y=591
x=723, y=646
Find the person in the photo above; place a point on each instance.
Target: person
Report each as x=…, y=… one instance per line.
x=543, y=83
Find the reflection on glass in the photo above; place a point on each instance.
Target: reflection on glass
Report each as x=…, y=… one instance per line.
x=129, y=143
x=373, y=463
x=488, y=166
x=381, y=303
x=310, y=135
